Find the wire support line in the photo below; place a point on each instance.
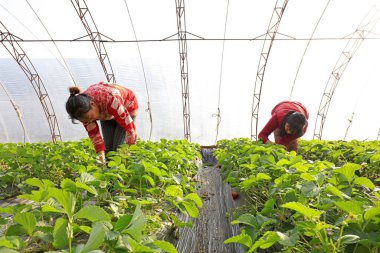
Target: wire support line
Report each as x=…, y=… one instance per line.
x=149, y=109
x=55, y=44
x=18, y=113
x=220, y=75
x=194, y=39
x=306, y=48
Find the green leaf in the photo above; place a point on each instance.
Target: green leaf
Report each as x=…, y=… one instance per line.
x=27, y=221
x=69, y=185
x=309, y=189
x=375, y=158
x=42, y=184
x=122, y=222
x=174, y=191
x=307, y=177
x=138, y=248
x=363, y=181
x=165, y=246
x=154, y=170
x=178, y=178
x=5, y=250
x=268, y=207
x=92, y=213
x=194, y=197
x=36, y=196
x=283, y=162
x=349, y=239
x=288, y=240
x=348, y=170
x=372, y=212
x=300, y=167
x=83, y=186
x=191, y=209
x=61, y=238
x=247, y=219
x=266, y=241
x=85, y=229
x=242, y=239
x=150, y=180
x=350, y=206
x=116, y=161
x=66, y=199
x=333, y=190
x=11, y=242
x=86, y=177
x=247, y=184
x=262, y=176
x=96, y=238
x=137, y=224
x=305, y=211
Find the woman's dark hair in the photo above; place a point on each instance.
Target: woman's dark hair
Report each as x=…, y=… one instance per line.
x=296, y=122
x=78, y=104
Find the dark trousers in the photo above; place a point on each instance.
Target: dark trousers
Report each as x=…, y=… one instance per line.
x=113, y=134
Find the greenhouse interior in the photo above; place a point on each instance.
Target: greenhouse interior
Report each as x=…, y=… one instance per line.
x=189, y=126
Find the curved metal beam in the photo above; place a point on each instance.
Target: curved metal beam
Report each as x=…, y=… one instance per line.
x=13, y=47
x=96, y=37
x=267, y=46
x=181, y=25
x=348, y=52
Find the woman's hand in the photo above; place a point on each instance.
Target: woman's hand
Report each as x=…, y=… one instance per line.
x=102, y=156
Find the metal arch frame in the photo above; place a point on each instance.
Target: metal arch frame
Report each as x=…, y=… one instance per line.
x=182, y=42
x=96, y=38
x=267, y=46
x=348, y=52
x=27, y=67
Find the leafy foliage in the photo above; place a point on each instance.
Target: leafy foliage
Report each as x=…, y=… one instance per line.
x=324, y=200
x=81, y=205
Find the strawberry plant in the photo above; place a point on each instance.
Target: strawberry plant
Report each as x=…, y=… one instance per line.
x=300, y=205
x=113, y=207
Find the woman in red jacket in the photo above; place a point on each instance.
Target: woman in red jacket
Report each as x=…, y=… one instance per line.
x=288, y=123
x=116, y=108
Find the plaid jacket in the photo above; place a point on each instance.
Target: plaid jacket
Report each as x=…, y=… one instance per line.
x=115, y=102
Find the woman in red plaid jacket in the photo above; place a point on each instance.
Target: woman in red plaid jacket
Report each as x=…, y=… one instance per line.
x=116, y=108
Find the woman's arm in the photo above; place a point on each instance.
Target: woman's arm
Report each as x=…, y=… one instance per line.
x=92, y=129
x=271, y=125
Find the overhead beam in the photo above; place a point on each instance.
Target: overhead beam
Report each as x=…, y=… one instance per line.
x=96, y=38
x=269, y=38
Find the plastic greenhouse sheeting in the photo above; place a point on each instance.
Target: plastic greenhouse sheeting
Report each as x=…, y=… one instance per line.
x=234, y=77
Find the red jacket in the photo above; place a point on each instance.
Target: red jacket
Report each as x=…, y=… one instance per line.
x=115, y=102
x=278, y=114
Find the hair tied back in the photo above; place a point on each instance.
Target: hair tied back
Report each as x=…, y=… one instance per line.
x=74, y=90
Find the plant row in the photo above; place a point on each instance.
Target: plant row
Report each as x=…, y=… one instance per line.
x=121, y=206
x=298, y=205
